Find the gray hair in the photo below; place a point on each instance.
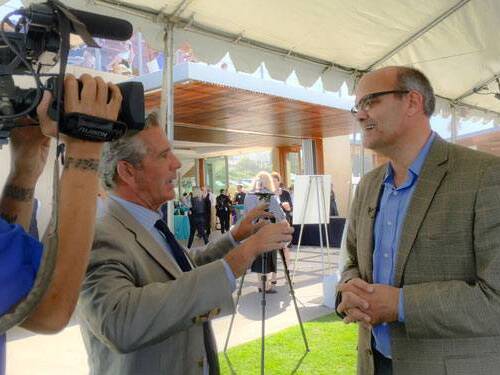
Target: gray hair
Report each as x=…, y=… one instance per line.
x=129, y=148
x=413, y=79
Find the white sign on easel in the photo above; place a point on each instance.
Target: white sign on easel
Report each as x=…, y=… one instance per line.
x=311, y=205
x=319, y=197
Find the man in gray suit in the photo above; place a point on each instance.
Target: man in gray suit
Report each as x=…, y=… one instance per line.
x=423, y=270
x=146, y=303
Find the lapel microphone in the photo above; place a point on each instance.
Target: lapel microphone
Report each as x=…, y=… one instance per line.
x=372, y=212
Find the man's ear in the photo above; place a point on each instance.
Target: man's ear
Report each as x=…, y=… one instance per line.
x=126, y=172
x=415, y=103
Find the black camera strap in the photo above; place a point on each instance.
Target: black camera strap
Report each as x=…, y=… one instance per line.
x=91, y=128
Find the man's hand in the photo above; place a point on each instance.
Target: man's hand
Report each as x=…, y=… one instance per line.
x=93, y=100
x=269, y=237
x=383, y=303
x=354, y=304
x=370, y=304
x=286, y=206
x=247, y=227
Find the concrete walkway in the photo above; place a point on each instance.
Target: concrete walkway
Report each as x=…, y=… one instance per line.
x=64, y=353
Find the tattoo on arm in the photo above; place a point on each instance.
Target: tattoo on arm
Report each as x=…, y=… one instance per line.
x=84, y=164
x=11, y=219
x=18, y=193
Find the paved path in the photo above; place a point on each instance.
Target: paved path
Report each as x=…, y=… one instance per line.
x=64, y=353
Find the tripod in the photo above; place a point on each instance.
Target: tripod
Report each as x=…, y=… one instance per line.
x=263, y=311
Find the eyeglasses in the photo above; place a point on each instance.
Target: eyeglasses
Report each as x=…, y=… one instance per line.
x=366, y=101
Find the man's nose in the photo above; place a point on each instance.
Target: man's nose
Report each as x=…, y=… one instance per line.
x=176, y=163
x=361, y=115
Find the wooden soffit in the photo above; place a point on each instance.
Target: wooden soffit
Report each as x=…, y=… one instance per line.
x=207, y=112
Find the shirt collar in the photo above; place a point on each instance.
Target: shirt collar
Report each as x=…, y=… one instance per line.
x=415, y=167
x=144, y=215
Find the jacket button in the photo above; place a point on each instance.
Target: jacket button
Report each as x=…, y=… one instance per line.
x=369, y=351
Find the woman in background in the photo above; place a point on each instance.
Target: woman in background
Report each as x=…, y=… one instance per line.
x=266, y=263
x=285, y=200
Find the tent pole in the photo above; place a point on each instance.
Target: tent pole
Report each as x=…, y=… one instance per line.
x=167, y=99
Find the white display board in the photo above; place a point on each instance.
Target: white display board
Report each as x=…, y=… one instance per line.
x=314, y=208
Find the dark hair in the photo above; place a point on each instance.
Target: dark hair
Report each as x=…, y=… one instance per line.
x=413, y=79
x=221, y=191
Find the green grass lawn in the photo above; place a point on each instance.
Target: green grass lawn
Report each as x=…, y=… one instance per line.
x=332, y=351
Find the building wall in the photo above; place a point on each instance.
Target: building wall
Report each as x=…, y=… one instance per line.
x=338, y=164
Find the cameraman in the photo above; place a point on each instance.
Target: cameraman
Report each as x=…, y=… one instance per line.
x=20, y=254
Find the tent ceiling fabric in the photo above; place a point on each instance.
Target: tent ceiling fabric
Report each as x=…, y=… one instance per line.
x=458, y=52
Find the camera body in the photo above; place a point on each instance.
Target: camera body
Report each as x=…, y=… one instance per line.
x=38, y=41
x=265, y=196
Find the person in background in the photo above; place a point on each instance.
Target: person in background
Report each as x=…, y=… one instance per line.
x=213, y=218
x=205, y=194
x=333, y=204
x=185, y=200
x=286, y=204
x=239, y=197
x=223, y=207
x=197, y=217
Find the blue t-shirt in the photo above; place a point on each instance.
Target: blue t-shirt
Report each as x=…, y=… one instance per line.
x=20, y=256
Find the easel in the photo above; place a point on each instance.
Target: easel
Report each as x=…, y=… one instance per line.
x=323, y=217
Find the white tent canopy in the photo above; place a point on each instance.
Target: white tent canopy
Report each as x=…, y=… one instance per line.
x=454, y=42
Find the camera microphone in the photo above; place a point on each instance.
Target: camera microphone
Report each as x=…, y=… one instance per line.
x=105, y=27
x=97, y=25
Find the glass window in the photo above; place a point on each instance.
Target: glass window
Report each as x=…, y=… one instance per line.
x=243, y=168
x=216, y=173
x=293, y=166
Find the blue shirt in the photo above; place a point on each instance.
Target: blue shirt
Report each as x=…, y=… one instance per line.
x=388, y=225
x=20, y=256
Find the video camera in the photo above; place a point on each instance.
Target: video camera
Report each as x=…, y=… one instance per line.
x=37, y=41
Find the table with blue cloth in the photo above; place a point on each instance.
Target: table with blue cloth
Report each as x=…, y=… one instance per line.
x=181, y=226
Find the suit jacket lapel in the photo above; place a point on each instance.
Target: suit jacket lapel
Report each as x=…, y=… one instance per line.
x=433, y=172
x=144, y=238
x=368, y=214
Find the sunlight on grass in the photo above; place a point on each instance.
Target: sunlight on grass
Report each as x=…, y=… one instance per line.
x=332, y=345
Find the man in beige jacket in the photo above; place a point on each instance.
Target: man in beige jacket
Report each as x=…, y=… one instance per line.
x=146, y=303
x=423, y=272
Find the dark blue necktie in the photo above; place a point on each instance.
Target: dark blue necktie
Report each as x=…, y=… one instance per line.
x=175, y=248
x=180, y=257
